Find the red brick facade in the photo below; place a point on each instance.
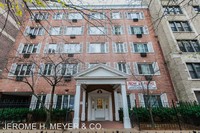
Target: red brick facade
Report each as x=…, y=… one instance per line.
x=163, y=81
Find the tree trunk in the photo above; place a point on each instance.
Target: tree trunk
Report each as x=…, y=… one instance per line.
x=151, y=117
x=49, y=112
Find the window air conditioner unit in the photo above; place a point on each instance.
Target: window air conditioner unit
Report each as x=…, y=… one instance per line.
x=70, y=55
x=19, y=78
x=139, y=35
x=74, y=20
x=135, y=19
x=68, y=77
x=72, y=36
x=26, y=55
x=148, y=77
x=143, y=54
x=32, y=36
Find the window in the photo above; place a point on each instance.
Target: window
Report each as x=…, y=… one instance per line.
x=72, y=48
x=120, y=47
x=34, y=31
x=23, y=69
x=117, y=30
x=194, y=70
x=135, y=15
x=55, y=31
x=48, y=69
x=94, y=64
x=141, y=47
x=97, y=16
x=97, y=30
x=68, y=101
x=75, y=16
x=172, y=10
x=145, y=69
x=59, y=102
x=30, y=48
x=69, y=69
x=58, y=16
x=42, y=98
x=196, y=9
x=152, y=100
x=40, y=16
x=98, y=48
x=116, y=15
x=122, y=66
x=51, y=48
x=180, y=26
x=138, y=30
x=189, y=45
x=73, y=30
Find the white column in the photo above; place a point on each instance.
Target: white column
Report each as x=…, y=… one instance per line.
x=77, y=107
x=116, y=106
x=83, y=106
x=127, y=123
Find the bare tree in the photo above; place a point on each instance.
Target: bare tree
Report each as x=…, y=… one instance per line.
x=60, y=71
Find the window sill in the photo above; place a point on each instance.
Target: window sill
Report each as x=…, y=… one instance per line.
x=121, y=53
x=97, y=53
x=172, y=15
x=74, y=35
x=183, y=32
x=190, y=79
x=61, y=53
x=97, y=34
x=142, y=52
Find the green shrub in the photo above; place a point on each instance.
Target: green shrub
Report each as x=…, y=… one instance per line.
x=187, y=113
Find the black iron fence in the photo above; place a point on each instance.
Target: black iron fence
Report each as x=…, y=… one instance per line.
x=174, y=116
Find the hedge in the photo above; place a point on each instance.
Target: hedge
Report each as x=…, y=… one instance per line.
x=21, y=114
x=186, y=114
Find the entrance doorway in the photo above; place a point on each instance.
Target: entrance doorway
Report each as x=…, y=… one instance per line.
x=99, y=106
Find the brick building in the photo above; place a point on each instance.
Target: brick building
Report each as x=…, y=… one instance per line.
x=117, y=53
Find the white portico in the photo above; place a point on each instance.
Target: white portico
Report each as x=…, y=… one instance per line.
x=97, y=91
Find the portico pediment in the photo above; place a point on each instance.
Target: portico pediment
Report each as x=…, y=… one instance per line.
x=100, y=71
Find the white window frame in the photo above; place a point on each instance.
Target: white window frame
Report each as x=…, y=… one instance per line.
x=105, y=49
x=72, y=48
x=52, y=48
x=149, y=47
x=38, y=31
x=40, y=16
x=74, y=30
x=135, y=15
x=114, y=17
x=49, y=67
x=23, y=67
x=98, y=15
x=120, y=47
x=58, y=16
x=123, y=66
x=154, y=66
x=69, y=69
x=28, y=50
x=120, y=32
x=101, y=30
x=53, y=31
x=74, y=15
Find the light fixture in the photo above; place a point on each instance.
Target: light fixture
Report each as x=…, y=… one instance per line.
x=99, y=91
